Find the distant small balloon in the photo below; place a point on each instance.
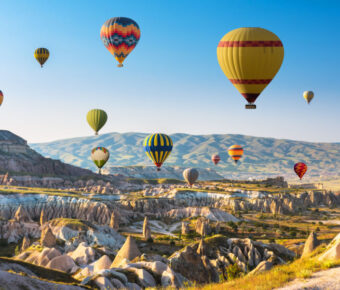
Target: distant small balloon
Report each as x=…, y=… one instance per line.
x=235, y=152
x=300, y=169
x=1, y=97
x=308, y=96
x=100, y=155
x=190, y=175
x=215, y=158
x=158, y=148
x=41, y=55
x=96, y=118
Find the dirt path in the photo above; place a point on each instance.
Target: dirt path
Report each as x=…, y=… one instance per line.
x=328, y=279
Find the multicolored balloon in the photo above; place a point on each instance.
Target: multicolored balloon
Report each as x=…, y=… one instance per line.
x=158, y=148
x=41, y=55
x=120, y=36
x=100, y=155
x=250, y=57
x=235, y=152
x=190, y=175
x=300, y=169
x=96, y=119
x=308, y=95
x=215, y=158
x=1, y=97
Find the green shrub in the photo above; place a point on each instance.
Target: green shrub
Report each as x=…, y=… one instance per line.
x=233, y=271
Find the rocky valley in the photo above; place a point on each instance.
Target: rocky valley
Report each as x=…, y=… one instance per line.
x=68, y=228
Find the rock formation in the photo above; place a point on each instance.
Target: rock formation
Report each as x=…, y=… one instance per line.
x=202, y=227
x=311, y=243
x=332, y=252
x=47, y=238
x=114, y=221
x=21, y=215
x=146, y=229
x=25, y=243
x=128, y=251
x=43, y=218
x=185, y=228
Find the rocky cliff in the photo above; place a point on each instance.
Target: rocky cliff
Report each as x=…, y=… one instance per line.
x=17, y=156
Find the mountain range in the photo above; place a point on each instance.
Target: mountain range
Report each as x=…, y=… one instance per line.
x=262, y=156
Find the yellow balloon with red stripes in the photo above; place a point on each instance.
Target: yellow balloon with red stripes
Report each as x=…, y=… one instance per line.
x=158, y=148
x=235, y=152
x=250, y=57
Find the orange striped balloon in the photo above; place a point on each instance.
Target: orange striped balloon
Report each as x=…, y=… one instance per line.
x=235, y=152
x=300, y=169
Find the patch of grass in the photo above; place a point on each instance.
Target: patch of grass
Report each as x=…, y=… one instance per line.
x=74, y=224
x=279, y=275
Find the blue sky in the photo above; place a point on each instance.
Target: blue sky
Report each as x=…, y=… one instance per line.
x=172, y=81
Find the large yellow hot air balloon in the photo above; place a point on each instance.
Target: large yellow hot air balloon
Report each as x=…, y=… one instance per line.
x=250, y=57
x=308, y=95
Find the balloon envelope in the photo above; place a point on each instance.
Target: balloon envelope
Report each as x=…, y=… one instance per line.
x=190, y=175
x=41, y=55
x=120, y=36
x=100, y=155
x=1, y=97
x=215, y=158
x=308, y=96
x=250, y=57
x=235, y=152
x=300, y=169
x=158, y=148
x=96, y=118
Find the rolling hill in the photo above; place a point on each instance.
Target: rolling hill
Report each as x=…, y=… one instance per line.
x=262, y=156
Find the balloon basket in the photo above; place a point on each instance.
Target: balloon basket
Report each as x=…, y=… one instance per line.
x=120, y=65
x=250, y=106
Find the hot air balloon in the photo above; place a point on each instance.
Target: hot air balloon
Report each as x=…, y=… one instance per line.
x=158, y=147
x=1, y=97
x=300, y=169
x=215, y=158
x=250, y=57
x=99, y=156
x=190, y=175
x=235, y=152
x=120, y=35
x=308, y=95
x=96, y=119
x=41, y=55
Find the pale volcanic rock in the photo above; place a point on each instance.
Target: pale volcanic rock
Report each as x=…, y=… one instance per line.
x=310, y=245
x=185, y=228
x=83, y=255
x=332, y=251
x=128, y=251
x=25, y=243
x=212, y=214
x=21, y=215
x=63, y=263
x=43, y=218
x=114, y=221
x=146, y=229
x=48, y=239
x=102, y=263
